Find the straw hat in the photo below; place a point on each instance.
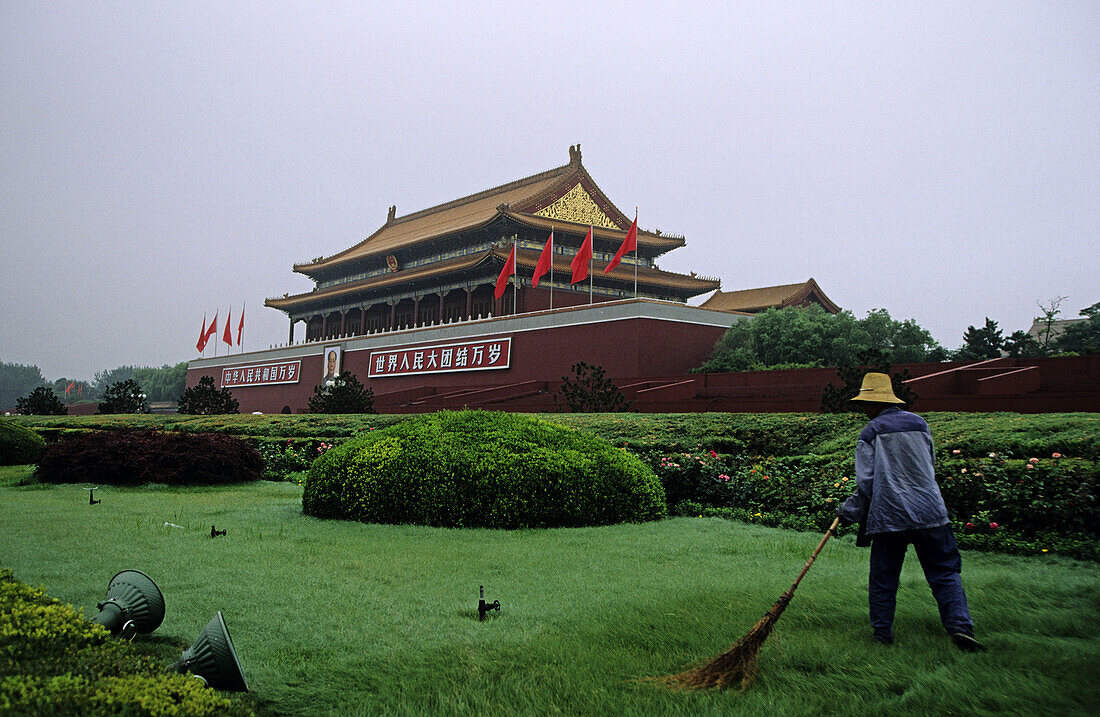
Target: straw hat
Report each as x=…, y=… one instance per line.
x=877, y=389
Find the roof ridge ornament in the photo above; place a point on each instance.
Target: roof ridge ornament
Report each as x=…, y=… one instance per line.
x=392, y=214
x=575, y=153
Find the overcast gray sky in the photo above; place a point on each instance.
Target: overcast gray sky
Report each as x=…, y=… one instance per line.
x=162, y=160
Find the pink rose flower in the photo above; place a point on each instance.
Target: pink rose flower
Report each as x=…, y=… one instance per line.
x=994, y=526
x=1055, y=455
x=1032, y=460
x=723, y=477
x=1030, y=466
x=712, y=454
x=956, y=452
x=970, y=526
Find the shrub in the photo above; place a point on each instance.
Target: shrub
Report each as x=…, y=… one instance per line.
x=481, y=469
x=124, y=397
x=42, y=401
x=995, y=503
x=18, y=445
x=590, y=392
x=288, y=460
x=137, y=457
x=205, y=399
x=345, y=395
x=58, y=663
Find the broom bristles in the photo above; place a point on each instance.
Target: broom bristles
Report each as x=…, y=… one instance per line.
x=735, y=665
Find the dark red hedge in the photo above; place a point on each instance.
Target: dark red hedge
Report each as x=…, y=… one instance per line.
x=137, y=457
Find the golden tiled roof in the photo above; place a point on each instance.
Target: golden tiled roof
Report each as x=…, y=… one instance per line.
x=522, y=200
x=756, y=300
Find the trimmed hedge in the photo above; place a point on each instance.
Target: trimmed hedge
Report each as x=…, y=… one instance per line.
x=18, y=445
x=53, y=661
x=138, y=457
x=482, y=469
x=753, y=434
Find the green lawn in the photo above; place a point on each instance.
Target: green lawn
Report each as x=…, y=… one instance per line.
x=343, y=618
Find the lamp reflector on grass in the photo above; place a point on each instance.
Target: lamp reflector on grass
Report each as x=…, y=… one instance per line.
x=213, y=658
x=133, y=604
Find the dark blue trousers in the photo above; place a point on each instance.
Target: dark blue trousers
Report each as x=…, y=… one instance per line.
x=939, y=557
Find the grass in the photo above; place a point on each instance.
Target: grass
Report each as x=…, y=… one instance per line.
x=343, y=618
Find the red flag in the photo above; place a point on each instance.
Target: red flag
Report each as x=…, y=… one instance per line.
x=69, y=387
x=227, y=335
x=201, y=343
x=240, y=326
x=629, y=244
x=580, y=261
x=508, y=270
x=546, y=259
x=211, y=331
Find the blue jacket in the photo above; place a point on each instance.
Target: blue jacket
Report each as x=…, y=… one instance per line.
x=896, y=485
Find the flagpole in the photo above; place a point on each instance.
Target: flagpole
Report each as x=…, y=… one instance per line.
x=515, y=275
x=551, y=267
x=635, y=255
x=591, y=253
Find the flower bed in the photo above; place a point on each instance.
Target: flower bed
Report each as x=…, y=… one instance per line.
x=1017, y=505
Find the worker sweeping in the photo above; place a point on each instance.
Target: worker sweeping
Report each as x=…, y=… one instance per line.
x=897, y=503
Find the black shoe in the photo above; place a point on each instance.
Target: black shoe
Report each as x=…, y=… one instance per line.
x=882, y=639
x=967, y=643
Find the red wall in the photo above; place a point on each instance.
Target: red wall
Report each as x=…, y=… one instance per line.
x=628, y=347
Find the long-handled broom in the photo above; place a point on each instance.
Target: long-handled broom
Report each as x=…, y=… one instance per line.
x=738, y=664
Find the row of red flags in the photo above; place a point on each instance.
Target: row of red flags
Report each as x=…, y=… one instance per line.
x=208, y=332
x=579, y=264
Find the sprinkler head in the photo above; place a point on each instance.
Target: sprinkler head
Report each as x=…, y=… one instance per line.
x=484, y=607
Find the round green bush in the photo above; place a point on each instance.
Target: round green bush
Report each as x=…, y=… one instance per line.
x=482, y=469
x=18, y=445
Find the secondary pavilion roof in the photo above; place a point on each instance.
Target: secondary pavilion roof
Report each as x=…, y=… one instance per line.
x=565, y=198
x=754, y=301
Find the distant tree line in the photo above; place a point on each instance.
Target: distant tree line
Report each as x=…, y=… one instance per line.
x=805, y=337
x=165, y=383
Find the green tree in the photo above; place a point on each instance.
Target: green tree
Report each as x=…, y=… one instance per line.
x=983, y=343
x=207, y=400
x=102, y=380
x=1021, y=344
x=80, y=390
x=42, y=401
x=124, y=397
x=345, y=395
x=165, y=383
x=797, y=337
x=590, y=391
x=1084, y=337
x=17, y=380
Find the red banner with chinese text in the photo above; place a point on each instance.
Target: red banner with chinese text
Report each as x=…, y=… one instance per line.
x=262, y=375
x=445, y=358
